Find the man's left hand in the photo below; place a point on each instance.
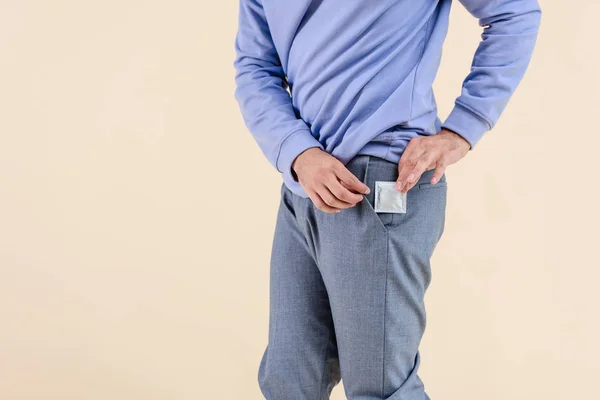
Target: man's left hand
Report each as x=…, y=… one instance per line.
x=424, y=153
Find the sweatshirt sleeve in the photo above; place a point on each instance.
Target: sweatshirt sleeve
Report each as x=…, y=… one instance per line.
x=508, y=38
x=261, y=92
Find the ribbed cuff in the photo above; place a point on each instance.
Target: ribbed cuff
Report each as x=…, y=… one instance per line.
x=292, y=146
x=466, y=124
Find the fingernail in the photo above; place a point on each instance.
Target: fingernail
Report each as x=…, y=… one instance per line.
x=411, y=177
x=368, y=191
x=434, y=180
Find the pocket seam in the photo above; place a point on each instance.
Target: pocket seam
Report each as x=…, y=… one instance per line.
x=427, y=185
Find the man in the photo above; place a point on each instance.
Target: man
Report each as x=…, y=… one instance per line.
x=338, y=95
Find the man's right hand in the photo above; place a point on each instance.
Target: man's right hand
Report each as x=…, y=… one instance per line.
x=328, y=183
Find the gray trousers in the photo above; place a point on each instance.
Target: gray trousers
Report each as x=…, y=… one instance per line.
x=347, y=293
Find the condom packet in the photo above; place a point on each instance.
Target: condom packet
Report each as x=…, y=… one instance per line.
x=388, y=199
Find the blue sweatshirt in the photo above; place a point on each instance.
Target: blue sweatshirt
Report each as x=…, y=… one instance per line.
x=355, y=76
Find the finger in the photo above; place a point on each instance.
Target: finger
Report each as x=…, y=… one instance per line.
x=343, y=193
x=330, y=199
x=351, y=181
x=405, y=167
x=438, y=173
x=427, y=162
x=408, y=160
x=351, y=191
x=416, y=173
x=320, y=203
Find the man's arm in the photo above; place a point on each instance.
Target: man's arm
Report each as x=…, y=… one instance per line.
x=511, y=28
x=268, y=112
x=501, y=59
x=261, y=93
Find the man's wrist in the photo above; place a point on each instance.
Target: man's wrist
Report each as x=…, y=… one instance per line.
x=296, y=163
x=456, y=136
x=464, y=122
x=291, y=147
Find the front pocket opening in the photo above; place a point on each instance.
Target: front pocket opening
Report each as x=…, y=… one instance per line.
x=384, y=220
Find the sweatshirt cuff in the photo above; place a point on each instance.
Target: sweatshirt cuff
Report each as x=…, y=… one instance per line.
x=294, y=144
x=466, y=124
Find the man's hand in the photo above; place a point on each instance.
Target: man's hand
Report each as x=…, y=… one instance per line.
x=429, y=152
x=328, y=183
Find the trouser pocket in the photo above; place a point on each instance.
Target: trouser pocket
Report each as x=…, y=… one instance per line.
x=379, y=172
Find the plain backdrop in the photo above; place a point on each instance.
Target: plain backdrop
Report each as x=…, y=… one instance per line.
x=137, y=212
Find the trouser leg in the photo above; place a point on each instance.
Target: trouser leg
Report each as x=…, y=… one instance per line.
x=376, y=267
x=300, y=361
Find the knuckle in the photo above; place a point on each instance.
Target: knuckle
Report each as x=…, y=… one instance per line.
x=349, y=197
x=416, y=160
x=341, y=193
x=336, y=190
x=329, y=201
x=345, y=177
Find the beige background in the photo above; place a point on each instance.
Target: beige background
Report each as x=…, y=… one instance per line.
x=137, y=212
